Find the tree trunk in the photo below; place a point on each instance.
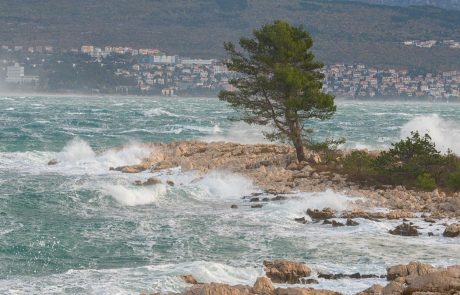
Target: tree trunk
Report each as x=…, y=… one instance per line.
x=296, y=134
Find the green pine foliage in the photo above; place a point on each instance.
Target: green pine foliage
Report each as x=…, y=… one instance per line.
x=279, y=83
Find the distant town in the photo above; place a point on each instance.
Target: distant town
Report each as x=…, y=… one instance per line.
x=149, y=71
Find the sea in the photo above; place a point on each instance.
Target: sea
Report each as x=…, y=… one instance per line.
x=79, y=228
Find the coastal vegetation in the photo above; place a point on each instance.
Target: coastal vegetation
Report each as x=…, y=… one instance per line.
x=280, y=84
x=414, y=162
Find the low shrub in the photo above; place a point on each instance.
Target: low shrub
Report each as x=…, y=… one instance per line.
x=453, y=180
x=425, y=182
x=358, y=165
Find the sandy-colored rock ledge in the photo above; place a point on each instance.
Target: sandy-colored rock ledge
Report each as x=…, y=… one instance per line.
x=274, y=168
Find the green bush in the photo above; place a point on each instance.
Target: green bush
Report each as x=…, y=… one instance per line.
x=358, y=165
x=453, y=180
x=425, y=182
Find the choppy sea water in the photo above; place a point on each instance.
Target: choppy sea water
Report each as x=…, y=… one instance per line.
x=78, y=228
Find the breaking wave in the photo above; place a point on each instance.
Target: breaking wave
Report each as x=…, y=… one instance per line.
x=443, y=132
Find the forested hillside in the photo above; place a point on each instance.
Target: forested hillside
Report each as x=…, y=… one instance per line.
x=344, y=31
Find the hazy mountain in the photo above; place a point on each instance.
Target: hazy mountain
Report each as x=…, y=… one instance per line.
x=343, y=31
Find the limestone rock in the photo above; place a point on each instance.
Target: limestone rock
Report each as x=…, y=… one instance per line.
x=304, y=291
x=263, y=286
x=218, y=289
x=373, y=290
x=411, y=269
x=452, y=230
x=283, y=271
x=393, y=288
x=189, y=279
x=442, y=280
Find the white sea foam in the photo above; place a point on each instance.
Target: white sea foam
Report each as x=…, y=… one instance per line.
x=159, y=112
x=76, y=150
x=444, y=133
x=135, y=196
x=146, y=279
x=223, y=185
x=300, y=202
x=77, y=157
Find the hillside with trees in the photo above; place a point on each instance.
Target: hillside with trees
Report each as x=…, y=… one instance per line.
x=344, y=31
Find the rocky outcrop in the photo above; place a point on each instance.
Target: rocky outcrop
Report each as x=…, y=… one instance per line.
x=275, y=168
x=283, y=271
x=411, y=269
x=316, y=214
x=442, y=281
x=373, y=290
x=406, y=230
x=218, y=289
x=263, y=286
x=452, y=230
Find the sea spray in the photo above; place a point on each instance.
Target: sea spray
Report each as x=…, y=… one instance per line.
x=135, y=196
x=224, y=185
x=444, y=133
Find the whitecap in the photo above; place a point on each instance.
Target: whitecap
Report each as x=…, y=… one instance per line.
x=134, y=196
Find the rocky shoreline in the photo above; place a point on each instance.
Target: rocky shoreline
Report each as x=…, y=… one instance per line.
x=413, y=278
x=274, y=169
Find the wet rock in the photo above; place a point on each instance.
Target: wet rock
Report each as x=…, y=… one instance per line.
x=406, y=230
x=265, y=200
x=327, y=221
x=429, y=220
x=283, y=271
x=252, y=200
x=351, y=222
x=316, y=214
x=234, y=206
x=346, y=276
x=279, y=198
x=430, y=234
x=129, y=169
x=301, y=220
x=170, y=182
x=337, y=224
x=53, y=162
x=411, y=269
x=189, y=279
x=257, y=206
x=309, y=281
x=452, y=231
x=263, y=286
x=150, y=181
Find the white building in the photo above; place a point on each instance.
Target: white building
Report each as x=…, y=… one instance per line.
x=15, y=74
x=164, y=59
